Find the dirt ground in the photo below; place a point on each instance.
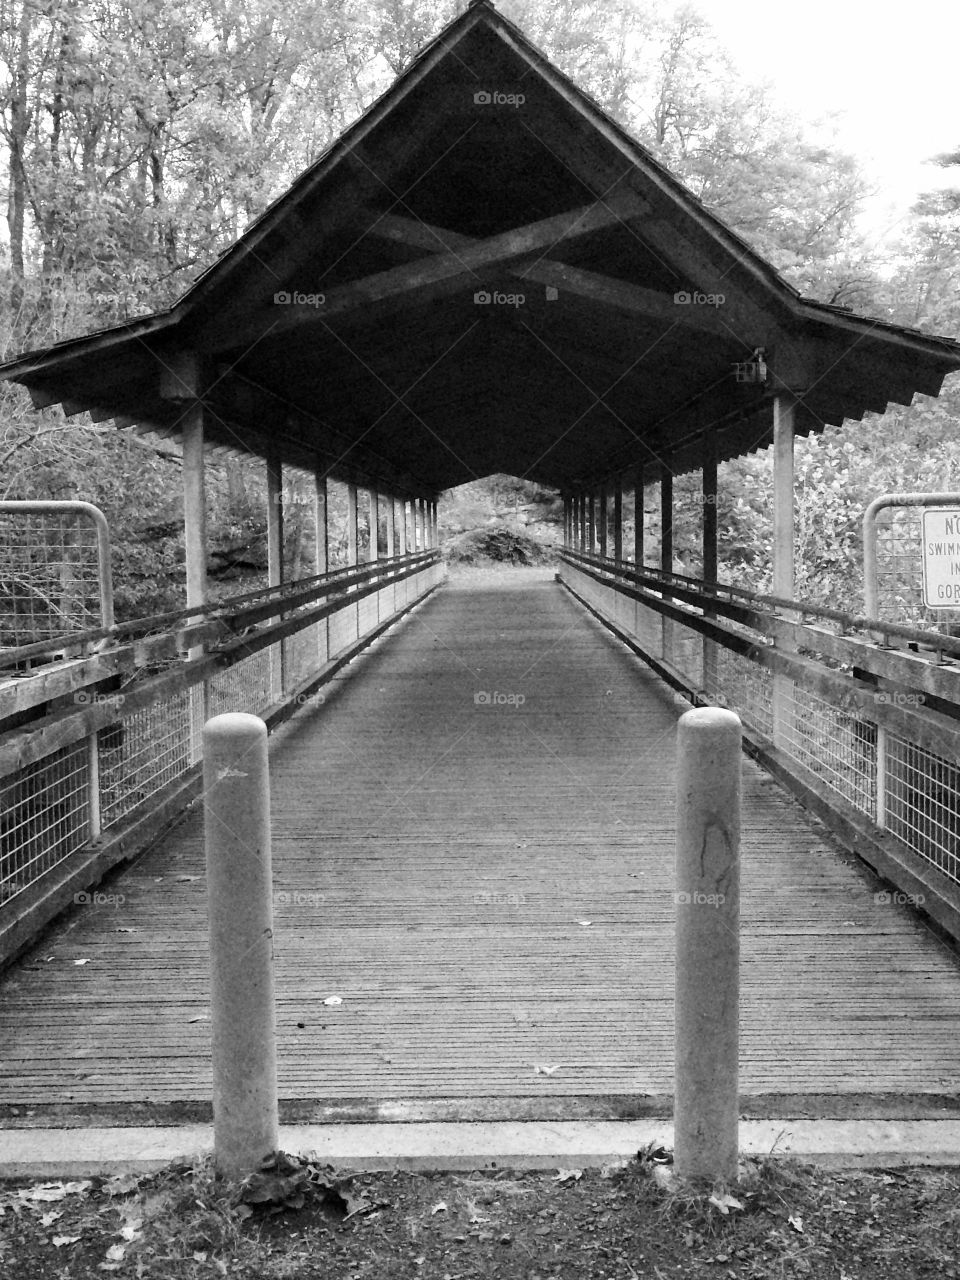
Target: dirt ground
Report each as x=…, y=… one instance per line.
x=297, y=1221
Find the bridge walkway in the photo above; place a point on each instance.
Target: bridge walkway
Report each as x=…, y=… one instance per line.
x=474, y=912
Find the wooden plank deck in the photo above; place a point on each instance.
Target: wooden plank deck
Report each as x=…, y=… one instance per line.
x=489, y=890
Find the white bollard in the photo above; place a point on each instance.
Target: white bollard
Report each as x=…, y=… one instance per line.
x=706, y=1136
x=236, y=787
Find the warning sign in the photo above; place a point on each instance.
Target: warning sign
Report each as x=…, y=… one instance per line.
x=941, y=559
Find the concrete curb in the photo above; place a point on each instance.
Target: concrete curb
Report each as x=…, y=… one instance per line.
x=63, y=1153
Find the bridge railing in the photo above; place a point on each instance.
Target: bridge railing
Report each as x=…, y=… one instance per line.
x=101, y=731
x=860, y=719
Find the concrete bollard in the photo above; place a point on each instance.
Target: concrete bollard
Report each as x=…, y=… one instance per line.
x=236, y=789
x=706, y=1138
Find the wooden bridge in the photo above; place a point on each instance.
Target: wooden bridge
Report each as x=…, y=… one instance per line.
x=473, y=853
x=459, y=288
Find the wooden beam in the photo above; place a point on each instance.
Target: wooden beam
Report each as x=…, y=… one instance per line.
x=618, y=295
x=438, y=273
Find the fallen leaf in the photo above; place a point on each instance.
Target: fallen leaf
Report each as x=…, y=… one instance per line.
x=725, y=1203
x=116, y=1253
x=60, y=1241
x=126, y=930
x=334, y=1000
x=568, y=1175
x=186, y=879
x=355, y=1205
x=439, y=1207
x=541, y=1070
x=121, y=1185
x=130, y=1229
x=199, y=1257
x=584, y=924
x=53, y=1191
x=48, y=1219
x=796, y=1222
x=201, y=1017
x=81, y=962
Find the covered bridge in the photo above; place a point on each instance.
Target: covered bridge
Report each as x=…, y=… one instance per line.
x=486, y=274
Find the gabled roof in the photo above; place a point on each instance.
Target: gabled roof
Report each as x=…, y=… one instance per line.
x=486, y=273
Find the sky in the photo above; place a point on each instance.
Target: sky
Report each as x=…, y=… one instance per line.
x=890, y=67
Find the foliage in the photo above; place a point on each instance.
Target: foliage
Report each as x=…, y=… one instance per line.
x=501, y=545
x=139, y=140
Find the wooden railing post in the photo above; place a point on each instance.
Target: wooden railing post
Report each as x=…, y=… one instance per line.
x=708, y=944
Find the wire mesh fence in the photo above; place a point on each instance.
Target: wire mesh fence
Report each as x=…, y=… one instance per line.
x=906, y=789
x=54, y=571
x=54, y=808
x=899, y=560
x=44, y=817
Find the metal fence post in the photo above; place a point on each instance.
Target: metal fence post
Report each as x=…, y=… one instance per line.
x=239, y=902
x=708, y=945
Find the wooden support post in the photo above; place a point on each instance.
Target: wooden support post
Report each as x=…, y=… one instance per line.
x=591, y=522
x=784, y=415
x=274, y=521
x=373, y=549
x=638, y=515
x=275, y=574
x=618, y=519
x=353, y=543
x=321, y=560
x=666, y=551
x=638, y=542
x=352, y=539
x=194, y=507
x=707, y=899
x=236, y=806
x=402, y=527
x=181, y=383
x=391, y=527
x=602, y=520
x=709, y=535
